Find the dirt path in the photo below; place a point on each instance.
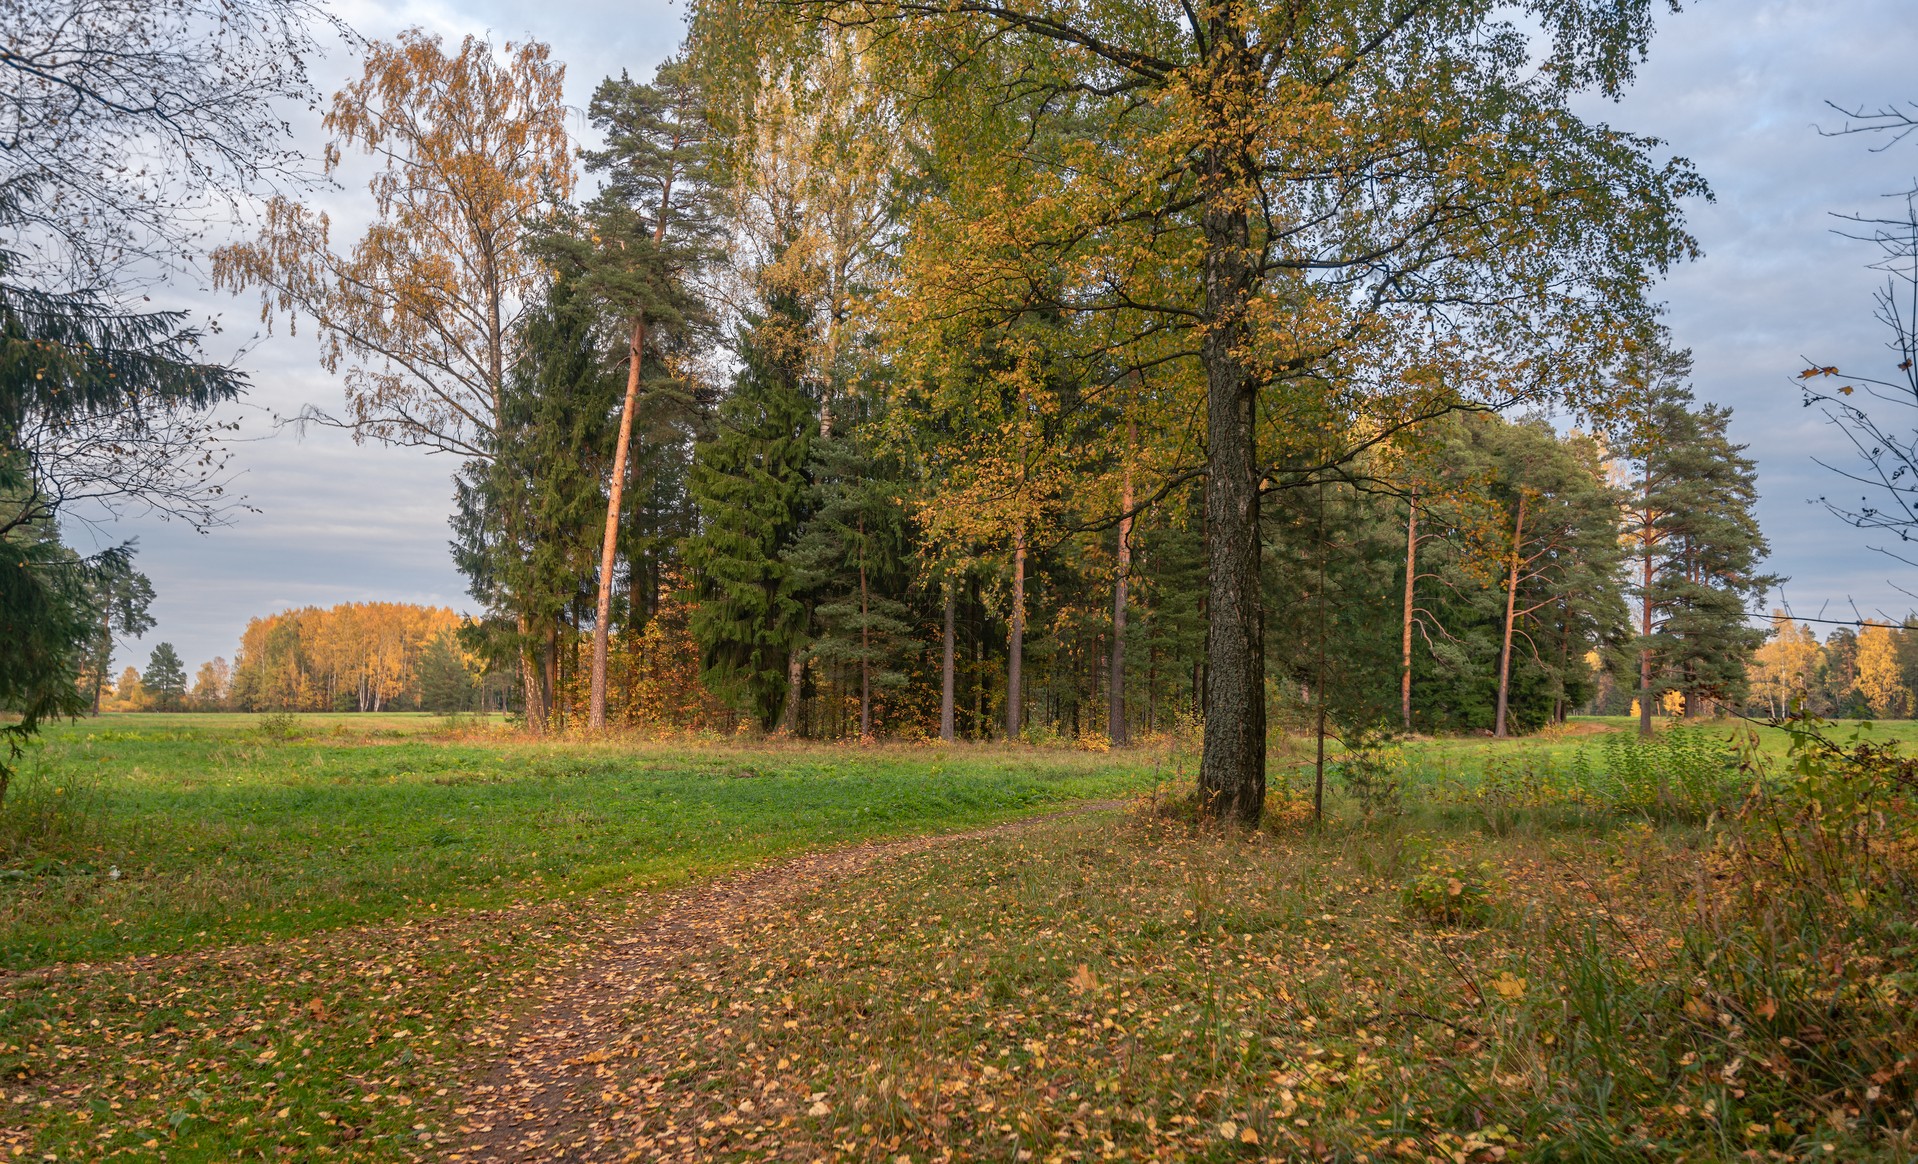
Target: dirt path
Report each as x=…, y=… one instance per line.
x=540, y=1101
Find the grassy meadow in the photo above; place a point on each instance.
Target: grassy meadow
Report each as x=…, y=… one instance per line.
x=229, y=937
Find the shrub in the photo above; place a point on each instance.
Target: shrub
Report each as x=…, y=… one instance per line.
x=1446, y=892
x=280, y=726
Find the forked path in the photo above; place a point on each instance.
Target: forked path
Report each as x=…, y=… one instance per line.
x=540, y=1101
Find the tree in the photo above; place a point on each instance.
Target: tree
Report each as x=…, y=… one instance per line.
x=1559, y=548
x=212, y=684
x=129, y=694
x=749, y=482
x=165, y=678
x=648, y=234
x=1695, y=541
x=852, y=561
x=420, y=312
x=448, y=680
x=1879, y=679
x=124, y=599
x=193, y=88
x=1252, y=202
x=525, y=519
x=1786, y=667
x=1886, y=448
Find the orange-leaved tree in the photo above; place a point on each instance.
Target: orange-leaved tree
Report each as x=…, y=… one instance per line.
x=469, y=149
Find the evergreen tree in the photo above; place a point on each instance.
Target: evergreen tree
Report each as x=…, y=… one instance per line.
x=751, y=488
x=643, y=242
x=165, y=678
x=525, y=521
x=123, y=596
x=852, y=561
x=446, y=682
x=1694, y=541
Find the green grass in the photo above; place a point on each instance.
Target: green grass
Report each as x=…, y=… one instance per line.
x=337, y=930
x=144, y=834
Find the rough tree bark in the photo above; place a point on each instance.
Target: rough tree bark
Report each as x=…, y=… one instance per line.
x=1232, y=770
x=1115, y=710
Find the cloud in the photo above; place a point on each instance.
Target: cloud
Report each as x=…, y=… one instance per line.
x=1739, y=88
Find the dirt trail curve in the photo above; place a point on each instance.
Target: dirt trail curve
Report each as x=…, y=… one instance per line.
x=540, y=1101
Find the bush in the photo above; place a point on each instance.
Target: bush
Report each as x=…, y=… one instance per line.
x=1445, y=892
x=280, y=726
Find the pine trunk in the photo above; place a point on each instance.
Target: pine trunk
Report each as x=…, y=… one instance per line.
x=529, y=682
x=1016, y=646
x=1405, y=632
x=1511, y=607
x=946, y=677
x=1645, y=633
x=795, y=678
x=1115, y=693
x=616, y=487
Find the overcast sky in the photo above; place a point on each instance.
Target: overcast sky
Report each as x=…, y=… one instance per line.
x=1737, y=86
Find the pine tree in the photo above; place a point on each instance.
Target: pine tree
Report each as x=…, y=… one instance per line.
x=1694, y=541
x=750, y=485
x=645, y=237
x=165, y=678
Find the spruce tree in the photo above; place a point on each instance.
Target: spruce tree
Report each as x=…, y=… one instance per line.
x=852, y=561
x=525, y=521
x=750, y=484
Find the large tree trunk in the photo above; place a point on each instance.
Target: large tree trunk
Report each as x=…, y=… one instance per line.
x=1405, y=632
x=1232, y=769
x=535, y=707
x=795, y=678
x=865, y=649
x=616, y=488
x=1645, y=632
x=1115, y=694
x=946, y=676
x=1016, y=646
x=1511, y=607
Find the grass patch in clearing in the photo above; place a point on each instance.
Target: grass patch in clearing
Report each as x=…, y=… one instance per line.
x=138, y=835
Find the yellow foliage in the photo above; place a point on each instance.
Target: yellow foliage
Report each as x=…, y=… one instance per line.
x=1879, y=678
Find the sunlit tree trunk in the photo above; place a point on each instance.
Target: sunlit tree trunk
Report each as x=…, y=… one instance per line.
x=1405, y=631
x=616, y=487
x=1016, y=646
x=1645, y=632
x=946, y=677
x=1511, y=617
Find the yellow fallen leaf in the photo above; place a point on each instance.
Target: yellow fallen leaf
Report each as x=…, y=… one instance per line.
x=1249, y=1136
x=1229, y=1130
x=1508, y=986
x=819, y=1109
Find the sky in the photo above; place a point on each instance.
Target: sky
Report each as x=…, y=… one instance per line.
x=1737, y=86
